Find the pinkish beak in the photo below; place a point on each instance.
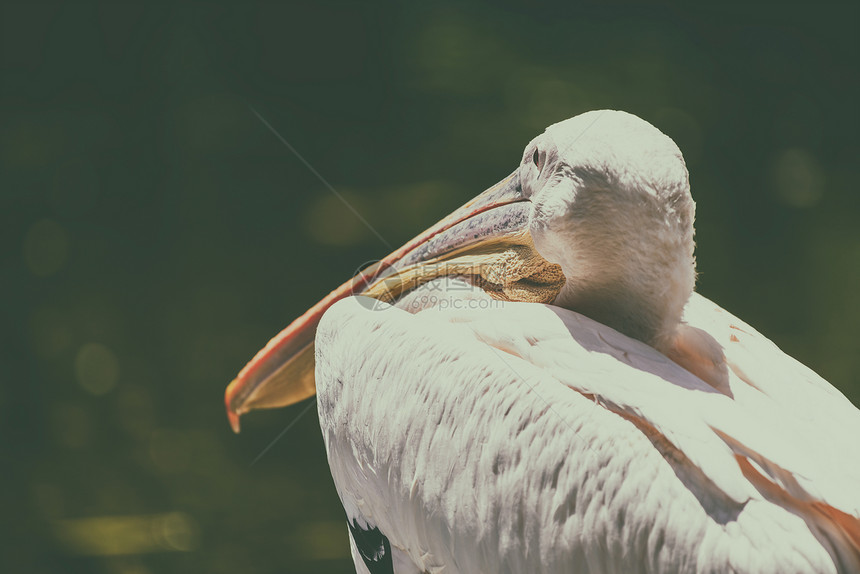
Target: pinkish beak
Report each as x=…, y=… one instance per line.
x=282, y=373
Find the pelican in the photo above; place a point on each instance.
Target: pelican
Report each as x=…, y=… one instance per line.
x=532, y=385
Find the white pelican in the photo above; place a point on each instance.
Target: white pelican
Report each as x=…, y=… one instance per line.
x=630, y=426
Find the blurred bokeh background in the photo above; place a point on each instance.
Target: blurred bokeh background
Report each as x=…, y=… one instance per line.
x=155, y=233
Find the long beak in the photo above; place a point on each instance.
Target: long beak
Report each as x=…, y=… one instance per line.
x=487, y=239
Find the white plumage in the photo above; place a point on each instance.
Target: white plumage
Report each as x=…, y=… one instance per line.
x=530, y=438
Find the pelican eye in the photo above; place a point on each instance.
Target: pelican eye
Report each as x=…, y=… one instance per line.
x=373, y=547
x=536, y=159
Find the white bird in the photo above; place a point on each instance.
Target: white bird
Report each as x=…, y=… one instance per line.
x=630, y=426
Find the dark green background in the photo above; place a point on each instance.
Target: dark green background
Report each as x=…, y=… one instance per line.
x=155, y=233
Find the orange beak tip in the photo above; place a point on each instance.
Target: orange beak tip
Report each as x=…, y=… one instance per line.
x=232, y=415
x=234, y=421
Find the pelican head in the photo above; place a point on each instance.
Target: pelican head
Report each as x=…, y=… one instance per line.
x=610, y=203
x=597, y=218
